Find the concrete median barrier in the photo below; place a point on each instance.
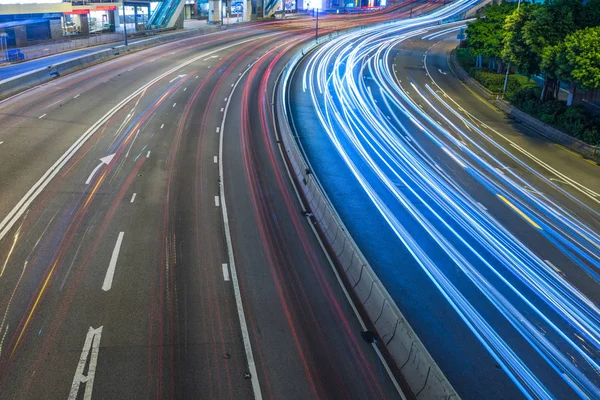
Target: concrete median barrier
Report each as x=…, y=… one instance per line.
x=395, y=335
x=16, y=84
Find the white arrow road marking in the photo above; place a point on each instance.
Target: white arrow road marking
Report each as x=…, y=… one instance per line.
x=92, y=343
x=441, y=72
x=208, y=58
x=110, y=273
x=104, y=160
x=177, y=77
x=21, y=207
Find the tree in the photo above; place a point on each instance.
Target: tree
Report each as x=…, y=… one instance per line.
x=581, y=59
x=591, y=14
x=516, y=48
x=545, y=27
x=485, y=33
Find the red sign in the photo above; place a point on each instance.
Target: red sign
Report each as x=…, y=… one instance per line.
x=78, y=12
x=107, y=8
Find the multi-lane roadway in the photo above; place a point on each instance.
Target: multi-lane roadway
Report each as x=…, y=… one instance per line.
x=150, y=243
x=485, y=234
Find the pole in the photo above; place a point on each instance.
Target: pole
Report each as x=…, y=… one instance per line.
x=124, y=25
x=506, y=80
x=317, y=27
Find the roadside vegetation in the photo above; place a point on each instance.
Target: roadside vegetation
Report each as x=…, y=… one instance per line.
x=556, y=42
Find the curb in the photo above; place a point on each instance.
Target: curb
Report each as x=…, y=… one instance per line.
x=411, y=358
x=580, y=147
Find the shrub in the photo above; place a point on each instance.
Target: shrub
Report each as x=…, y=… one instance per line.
x=465, y=57
x=575, y=120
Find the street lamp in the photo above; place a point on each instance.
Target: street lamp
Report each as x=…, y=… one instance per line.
x=124, y=25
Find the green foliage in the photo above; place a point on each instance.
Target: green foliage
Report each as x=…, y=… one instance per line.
x=575, y=121
x=465, y=57
x=591, y=14
x=581, y=57
x=485, y=34
x=518, y=48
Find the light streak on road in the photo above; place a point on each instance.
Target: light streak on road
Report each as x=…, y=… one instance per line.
x=384, y=132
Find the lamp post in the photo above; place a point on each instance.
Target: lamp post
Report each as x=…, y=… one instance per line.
x=317, y=26
x=124, y=25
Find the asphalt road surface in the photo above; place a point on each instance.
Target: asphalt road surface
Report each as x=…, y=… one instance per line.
x=485, y=233
x=120, y=276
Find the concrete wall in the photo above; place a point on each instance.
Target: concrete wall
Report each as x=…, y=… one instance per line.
x=17, y=84
x=418, y=368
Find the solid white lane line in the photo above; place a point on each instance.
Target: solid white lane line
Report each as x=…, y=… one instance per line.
x=215, y=158
x=133, y=197
x=148, y=155
x=21, y=207
x=216, y=201
x=162, y=126
x=110, y=273
x=236, y=285
x=91, y=345
x=77, y=96
x=42, y=116
x=225, y=273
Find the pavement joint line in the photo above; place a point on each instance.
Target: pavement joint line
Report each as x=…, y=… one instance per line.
x=42, y=116
x=110, y=273
x=133, y=197
x=225, y=272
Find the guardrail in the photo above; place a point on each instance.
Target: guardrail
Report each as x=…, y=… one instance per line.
x=19, y=83
x=418, y=368
x=579, y=146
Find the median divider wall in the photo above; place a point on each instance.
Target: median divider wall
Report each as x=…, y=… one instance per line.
x=28, y=80
x=418, y=368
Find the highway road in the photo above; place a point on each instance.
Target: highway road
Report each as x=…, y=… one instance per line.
x=151, y=245
x=486, y=234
